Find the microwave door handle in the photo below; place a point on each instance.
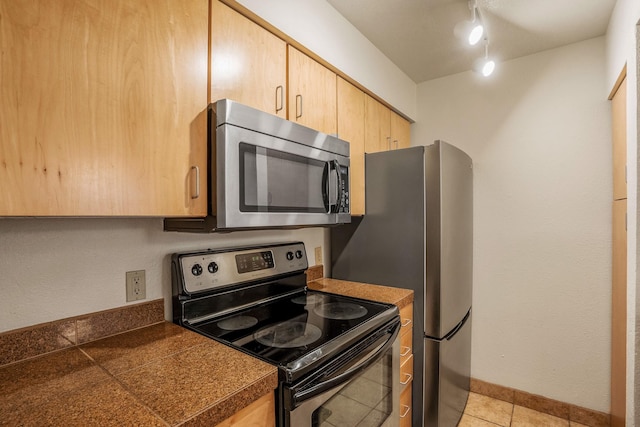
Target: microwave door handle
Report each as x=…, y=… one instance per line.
x=326, y=196
x=336, y=165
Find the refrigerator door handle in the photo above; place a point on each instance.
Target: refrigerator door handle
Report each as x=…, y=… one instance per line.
x=459, y=326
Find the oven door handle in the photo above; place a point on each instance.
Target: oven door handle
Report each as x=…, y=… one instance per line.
x=370, y=359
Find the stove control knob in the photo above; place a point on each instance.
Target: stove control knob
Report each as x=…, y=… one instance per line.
x=196, y=270
x=298, y=254
x=289, y=255
x=212, y=267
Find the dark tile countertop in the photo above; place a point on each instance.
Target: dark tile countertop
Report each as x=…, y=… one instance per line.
x=128, y=366
x=157, y=375
x=397, y=296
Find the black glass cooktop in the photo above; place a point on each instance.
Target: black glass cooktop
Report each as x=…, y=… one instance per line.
x=287, y=329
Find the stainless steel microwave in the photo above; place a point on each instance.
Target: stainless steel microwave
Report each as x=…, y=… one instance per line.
x=267, y=172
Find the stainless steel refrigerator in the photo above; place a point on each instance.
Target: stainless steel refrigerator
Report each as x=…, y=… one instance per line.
x=417, y=233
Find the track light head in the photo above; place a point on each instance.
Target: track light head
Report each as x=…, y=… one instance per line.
x=470, y=31
x=484, y=65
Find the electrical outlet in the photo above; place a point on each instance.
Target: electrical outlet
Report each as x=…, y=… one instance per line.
x=136, y=285
x=318, y=255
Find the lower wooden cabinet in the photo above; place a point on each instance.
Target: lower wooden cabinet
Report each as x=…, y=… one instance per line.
x=260, y=413
x=405, y=407
x=406, y=365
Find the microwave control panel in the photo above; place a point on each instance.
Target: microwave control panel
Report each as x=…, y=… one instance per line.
x=344, y=190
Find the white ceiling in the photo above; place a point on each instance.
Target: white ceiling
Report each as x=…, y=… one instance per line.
x=417, y=35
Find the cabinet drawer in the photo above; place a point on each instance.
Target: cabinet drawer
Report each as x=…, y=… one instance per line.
x=405, y=407
x=406, y=372
x=405, y=345
x=260, y=413
x=406, y=317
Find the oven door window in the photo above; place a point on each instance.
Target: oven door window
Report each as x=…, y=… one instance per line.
x=276, y=181
x=366, y=401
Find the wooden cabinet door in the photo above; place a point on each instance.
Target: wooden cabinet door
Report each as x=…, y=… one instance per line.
x=377, y=126
x=400, y=131
x=351, y=129
x=102, y=107
x=406, y=412
x=260, y=413
x=312, y=93
x=385, y=129
x=248, y=63
x=619, y=125
x=619, y=259
x=406, y=364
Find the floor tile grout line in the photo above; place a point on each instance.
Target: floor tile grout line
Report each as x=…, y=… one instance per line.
x=513, y=410
x=482, y=419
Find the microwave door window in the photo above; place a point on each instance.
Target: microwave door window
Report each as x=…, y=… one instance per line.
x=275, y=181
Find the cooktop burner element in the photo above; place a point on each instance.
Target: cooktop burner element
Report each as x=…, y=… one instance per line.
x=256, y=300
x=288, y=335
x=237, y=323
x=341, y=311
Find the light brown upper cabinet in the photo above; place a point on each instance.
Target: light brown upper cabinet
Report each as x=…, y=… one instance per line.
x=103, y=107
x=384, y=129
x=351, y=129
x=619, y=124
x=400, y=131
x=377, y=126
x=248, y=63
x=312, y=93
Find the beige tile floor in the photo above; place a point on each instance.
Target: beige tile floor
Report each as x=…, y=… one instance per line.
x=483, y=411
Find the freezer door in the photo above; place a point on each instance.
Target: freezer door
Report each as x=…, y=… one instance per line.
x=449, y=254
x=447, y=377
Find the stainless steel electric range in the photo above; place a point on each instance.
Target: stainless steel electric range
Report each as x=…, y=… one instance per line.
x=337, y=356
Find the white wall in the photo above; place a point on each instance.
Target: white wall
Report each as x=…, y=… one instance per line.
x=56, y=268
x=319, y=27
x=622, y=48
x=539, y=134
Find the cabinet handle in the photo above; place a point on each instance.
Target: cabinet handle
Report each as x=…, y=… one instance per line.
x=197, y=169
x=280, y=89
x=395, y=141
x=405, y=323
x=298, y=97
x=388, y=143
x=406, y=411
x=405, y=351
x=408, y=377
